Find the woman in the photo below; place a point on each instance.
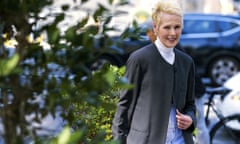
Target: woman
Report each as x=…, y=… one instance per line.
x=160, y=108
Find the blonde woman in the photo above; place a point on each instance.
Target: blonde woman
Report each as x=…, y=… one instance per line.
x=160, y=108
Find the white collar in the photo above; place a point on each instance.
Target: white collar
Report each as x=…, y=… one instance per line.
x=167, y=53
x=161, y=47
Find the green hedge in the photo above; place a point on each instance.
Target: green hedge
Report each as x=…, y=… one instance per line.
x=98, y=118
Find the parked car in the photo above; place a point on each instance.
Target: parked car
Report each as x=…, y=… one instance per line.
x=213, y=41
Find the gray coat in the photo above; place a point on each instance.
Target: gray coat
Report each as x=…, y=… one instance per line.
x=143, y=112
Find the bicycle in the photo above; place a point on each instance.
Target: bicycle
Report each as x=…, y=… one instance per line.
x=225, y=124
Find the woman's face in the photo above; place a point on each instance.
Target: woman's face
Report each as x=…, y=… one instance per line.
x=169, y=29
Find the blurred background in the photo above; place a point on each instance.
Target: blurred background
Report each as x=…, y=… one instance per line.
x=140, y=10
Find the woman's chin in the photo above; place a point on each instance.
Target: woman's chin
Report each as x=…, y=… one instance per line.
x=171, y=45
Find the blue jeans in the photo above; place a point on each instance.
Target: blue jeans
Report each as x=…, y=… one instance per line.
x=174, y=134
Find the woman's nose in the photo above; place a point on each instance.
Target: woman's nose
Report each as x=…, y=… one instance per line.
x=173, y=31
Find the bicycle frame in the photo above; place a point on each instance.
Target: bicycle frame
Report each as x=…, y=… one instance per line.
x=212, y=92
x=223, y=120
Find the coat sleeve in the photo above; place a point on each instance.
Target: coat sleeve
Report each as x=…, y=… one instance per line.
x=127, y=101
x=190, y=108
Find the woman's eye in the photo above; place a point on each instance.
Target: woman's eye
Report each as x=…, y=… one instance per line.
x=167, y=27
x=177, y=27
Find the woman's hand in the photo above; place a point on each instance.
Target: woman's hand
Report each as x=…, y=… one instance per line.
x=183, y=121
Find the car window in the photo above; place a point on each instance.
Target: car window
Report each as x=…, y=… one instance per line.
x=199, y=26
x=224, y=26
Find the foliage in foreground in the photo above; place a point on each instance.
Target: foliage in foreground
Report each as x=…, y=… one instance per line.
x=36, y=82
x=99, y=118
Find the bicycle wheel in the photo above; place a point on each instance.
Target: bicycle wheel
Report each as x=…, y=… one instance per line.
x=226, y=131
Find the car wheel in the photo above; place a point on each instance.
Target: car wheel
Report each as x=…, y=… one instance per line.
x=222, y=69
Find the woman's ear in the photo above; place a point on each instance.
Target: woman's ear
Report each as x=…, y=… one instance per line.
x=151, y=35
x=154, y=28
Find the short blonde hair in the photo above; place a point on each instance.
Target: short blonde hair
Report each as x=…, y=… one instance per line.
x=169, y=7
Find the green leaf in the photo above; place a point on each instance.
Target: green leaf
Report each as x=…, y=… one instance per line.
x=65, y=7
x=59, y=18
x=110, y=77
x=53, y=34
x=110, y=1
x=67, y=137
x=99, y=12
x=64, y=136
x=83, y=1
x=7, y=66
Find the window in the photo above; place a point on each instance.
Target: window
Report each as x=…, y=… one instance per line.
x=224, y=26
x=199, y=26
